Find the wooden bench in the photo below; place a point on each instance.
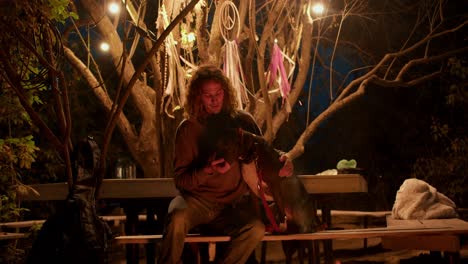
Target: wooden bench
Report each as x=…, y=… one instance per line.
x=321, y=235
x=450, y=243
x=5, y=229
x=451, y=229
x=10, y=236
x=20, y=224
x=114, y=219
x=362, y=217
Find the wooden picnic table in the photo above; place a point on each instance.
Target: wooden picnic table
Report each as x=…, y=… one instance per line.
x=155, y=194
x=154, y=188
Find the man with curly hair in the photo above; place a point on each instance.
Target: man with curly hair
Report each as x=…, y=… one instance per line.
x=212, y=196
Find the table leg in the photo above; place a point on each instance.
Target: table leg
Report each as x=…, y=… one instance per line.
x=327, y=244
x=131, y=250
x=312, y=256
x=316, y=250
x=150, y=226
x=300, y=253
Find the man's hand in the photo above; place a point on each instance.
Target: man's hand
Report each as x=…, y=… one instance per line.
x=288, y=168
x=220, y=166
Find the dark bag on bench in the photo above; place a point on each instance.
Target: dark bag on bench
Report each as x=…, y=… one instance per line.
x=75, y=234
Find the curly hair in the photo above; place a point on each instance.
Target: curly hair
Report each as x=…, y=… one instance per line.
x=205, y=73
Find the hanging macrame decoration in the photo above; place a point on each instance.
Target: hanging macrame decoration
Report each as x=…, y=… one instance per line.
x=174, y=92
x=229, y=25
x=277, y=73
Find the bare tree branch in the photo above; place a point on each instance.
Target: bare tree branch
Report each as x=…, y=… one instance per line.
x=389, y=56
x=427, y=60
x=98, y=90
x=337, y=106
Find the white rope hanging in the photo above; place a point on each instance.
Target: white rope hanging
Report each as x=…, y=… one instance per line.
x=174, y=93
x=229, y=18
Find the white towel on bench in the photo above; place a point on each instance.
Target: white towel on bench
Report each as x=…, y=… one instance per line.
x=416, y=199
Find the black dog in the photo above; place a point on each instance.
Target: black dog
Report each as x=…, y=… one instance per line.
x=225, y=139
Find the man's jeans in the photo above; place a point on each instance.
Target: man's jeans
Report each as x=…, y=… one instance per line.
x=238, y=220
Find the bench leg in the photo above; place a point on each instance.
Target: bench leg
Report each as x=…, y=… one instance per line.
x=365, y=224
x=264, y=249
x=211, y=251
x=191, y=253
x=452, y=257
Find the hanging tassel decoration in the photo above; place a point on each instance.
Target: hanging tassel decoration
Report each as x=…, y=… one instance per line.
x=233, y=69
x=232, y=66
x=174, y=93
x=277, y=66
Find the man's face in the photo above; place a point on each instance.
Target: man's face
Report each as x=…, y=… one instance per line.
x=212, y=97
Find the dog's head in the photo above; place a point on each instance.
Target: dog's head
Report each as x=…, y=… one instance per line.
x=223, y=138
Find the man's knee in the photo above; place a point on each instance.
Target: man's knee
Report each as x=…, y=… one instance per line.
x=258, y=229
x=177, y=220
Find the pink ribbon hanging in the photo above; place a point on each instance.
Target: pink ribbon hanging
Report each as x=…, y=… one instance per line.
x=276, y=64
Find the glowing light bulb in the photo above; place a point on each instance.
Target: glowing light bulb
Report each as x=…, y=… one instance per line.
x=104, y=46
x=318, y=8
x=191, y=37
x=113, y=8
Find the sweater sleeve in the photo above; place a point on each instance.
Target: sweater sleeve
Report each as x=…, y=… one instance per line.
x=187, y=175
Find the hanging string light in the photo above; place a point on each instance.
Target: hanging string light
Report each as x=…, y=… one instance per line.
x=114, y=8
x=104, y=46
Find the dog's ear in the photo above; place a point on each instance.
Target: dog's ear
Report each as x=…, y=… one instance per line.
x=247, y=145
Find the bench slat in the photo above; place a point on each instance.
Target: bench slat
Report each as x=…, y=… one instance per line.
x=6, y=236
x=145, y=239
x=322, y=235
x=29, y=223
x=118, y=218
x=440, y=242
x=426, y=223
x=21, y=224
x=449, y=243
x=376, y=214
